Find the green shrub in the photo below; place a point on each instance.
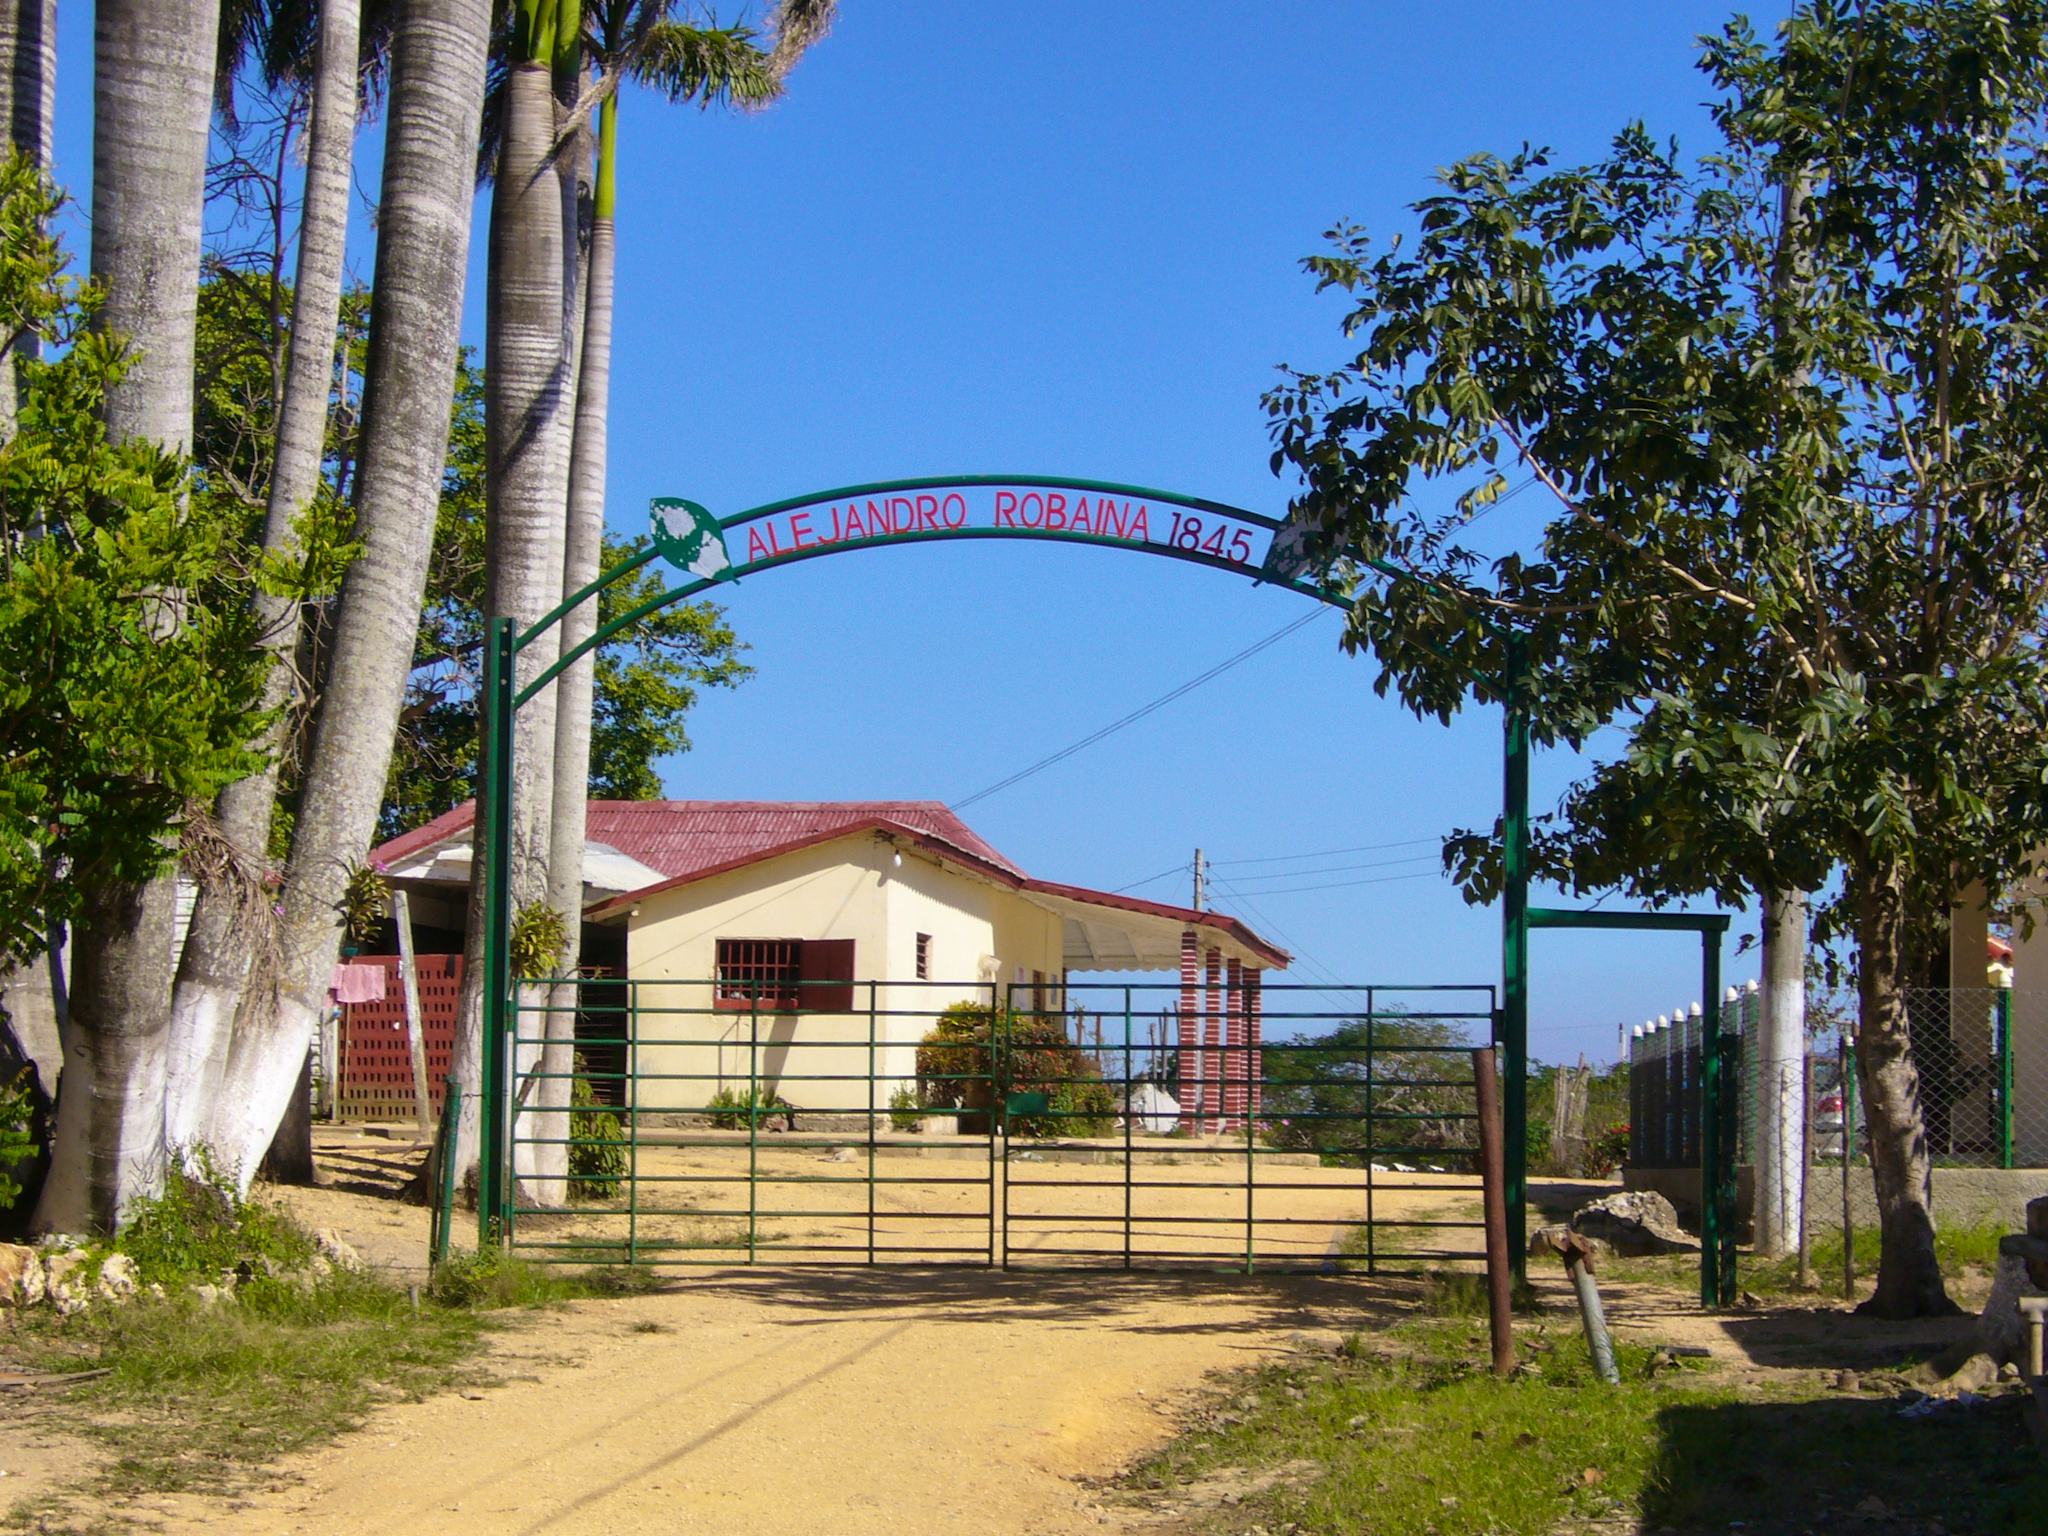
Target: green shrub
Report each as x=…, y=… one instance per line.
x=906, y=1110
x=731, y=1110
x=975, y=1052
x=200, y=1226
x=598, y=1155
x=17, y=1142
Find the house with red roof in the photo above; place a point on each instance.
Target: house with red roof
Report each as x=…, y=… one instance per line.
x=805, y=948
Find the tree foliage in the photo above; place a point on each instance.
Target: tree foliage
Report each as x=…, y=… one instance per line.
x=128, y=680
x=648, y=676
x=1379, y=1088
x=1789, y=405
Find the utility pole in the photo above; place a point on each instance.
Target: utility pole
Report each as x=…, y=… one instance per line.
x=1201, y=882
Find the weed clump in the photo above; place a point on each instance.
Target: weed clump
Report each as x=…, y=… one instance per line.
x=200, y=1227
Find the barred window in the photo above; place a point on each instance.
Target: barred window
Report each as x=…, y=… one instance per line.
x=784, y=975
x=924, y=957
x=759, y=971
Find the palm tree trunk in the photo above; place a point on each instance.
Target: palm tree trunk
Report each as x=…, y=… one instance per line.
x=222, y=937
x=153, y=66
x=1909, y=1282
x=28, y=105
x=582, y=552
x=529, y=358
x=435, y=107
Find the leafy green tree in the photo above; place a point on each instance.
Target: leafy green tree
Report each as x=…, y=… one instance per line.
x=1799, y=526
x=1373, y=1089
x=128, y=685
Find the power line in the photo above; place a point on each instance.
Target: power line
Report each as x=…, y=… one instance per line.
x=1138, y=714
x=1328, y=853
x=1310, y=962
x=1344, y=869
x=1178, y=869
x=1338, y=885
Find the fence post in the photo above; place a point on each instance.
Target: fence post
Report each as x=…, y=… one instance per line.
x=1493, y=1184
x=2003, y=999
x=1845, y=1058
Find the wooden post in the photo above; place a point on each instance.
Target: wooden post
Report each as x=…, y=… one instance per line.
x=415, y=1031
x=1493, y=1178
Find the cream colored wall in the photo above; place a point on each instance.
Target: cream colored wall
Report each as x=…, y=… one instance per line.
x=850, y=888
x=831, y=891
x=980, y=933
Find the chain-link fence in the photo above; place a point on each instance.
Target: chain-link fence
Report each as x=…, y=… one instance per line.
x=1981, y=1054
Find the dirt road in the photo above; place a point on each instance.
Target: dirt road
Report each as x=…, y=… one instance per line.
x=787, y=1399
x=824, y=1401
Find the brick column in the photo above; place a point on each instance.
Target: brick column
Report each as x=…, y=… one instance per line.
x=1212, y=1040
x=1253, y=1027
x=1187, y=1036
x=1234, y=1080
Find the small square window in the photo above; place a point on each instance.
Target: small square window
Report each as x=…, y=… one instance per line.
x=924, y=957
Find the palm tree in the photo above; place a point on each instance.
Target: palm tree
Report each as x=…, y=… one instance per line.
x=219, y=939
x=644, y=41
x=623, y=39
x=152, y=84
x=434, y=108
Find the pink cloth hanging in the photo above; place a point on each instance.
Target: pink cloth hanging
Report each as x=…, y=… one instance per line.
x=357, y=983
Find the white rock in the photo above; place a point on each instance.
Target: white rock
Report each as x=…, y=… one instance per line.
x=330, y=1244
x=21, y=1276
x=117, y=1277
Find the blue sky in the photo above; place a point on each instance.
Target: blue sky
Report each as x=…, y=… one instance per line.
x=1064, y=238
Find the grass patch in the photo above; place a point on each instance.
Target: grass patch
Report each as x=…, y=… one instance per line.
x=198, y=1395
x=1406, y=1433
x=1960, y=1251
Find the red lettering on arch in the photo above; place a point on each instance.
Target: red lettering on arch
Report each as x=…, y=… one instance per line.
x=757, y=547
x=1140, y=528
x=928, y=512
x=1055, y=510
x=1006, y=510
x=947, y=509
x=1025, y=509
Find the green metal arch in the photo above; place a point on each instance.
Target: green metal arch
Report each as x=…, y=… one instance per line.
x=1334, y=594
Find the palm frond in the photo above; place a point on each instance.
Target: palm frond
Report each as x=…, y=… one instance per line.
x=797, y=25
x=708, y=65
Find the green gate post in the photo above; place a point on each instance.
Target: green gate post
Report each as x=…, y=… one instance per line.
x=492, y=1213
x=1514, y=948
x=2004, y=1005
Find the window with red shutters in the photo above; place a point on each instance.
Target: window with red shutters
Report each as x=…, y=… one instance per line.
x=784, y=975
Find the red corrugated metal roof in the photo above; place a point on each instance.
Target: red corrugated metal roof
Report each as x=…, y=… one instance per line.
x=689, y=839
x=686, y=837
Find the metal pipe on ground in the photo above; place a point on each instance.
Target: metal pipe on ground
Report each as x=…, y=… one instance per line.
x=1577, y=1254
x=1493, y=1179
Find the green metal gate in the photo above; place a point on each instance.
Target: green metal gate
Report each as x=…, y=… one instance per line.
x=886, y=1122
